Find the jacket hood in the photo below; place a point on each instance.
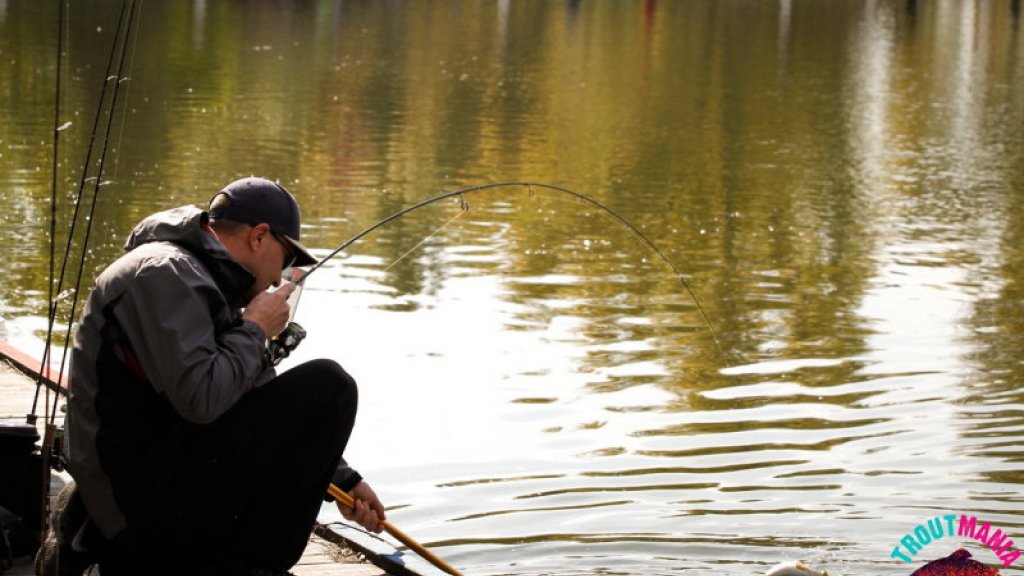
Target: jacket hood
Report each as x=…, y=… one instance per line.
x=187, y=227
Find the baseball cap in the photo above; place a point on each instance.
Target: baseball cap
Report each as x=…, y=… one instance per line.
x=261, y=201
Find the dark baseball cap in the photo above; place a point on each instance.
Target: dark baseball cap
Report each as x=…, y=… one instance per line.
x=261, y=201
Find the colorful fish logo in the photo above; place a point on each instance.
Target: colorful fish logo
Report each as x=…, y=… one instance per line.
x=958, y=563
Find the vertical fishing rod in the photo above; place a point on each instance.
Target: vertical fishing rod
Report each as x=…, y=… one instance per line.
x=52, y=304
x=31, y=418
x=51, y=457
x=58, y=295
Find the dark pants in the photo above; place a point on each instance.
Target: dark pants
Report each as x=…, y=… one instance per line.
x=243, y=492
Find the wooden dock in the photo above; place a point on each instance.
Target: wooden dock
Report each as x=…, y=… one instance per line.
x=341, y=553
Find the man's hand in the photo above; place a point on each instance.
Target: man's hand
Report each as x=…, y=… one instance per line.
x=369, y=512
x=270, y=310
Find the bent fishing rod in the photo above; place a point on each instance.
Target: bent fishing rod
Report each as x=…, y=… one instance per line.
x=531, y=186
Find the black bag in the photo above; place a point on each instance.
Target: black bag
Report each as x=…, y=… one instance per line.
x=22, y=475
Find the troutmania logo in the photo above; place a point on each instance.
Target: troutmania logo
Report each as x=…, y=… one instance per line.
x=958, y=563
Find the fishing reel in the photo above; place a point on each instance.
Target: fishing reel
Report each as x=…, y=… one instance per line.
x=281, y=347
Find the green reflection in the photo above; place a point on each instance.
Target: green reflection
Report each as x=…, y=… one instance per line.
x=839, y=180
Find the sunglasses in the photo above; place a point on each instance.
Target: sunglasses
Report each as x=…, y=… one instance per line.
x=289, y=255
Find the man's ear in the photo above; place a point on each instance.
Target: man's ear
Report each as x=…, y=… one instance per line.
x=258, y=234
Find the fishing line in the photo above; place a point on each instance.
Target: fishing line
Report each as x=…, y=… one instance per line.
x=124, y=109
x=530, y=186
x=424, y=240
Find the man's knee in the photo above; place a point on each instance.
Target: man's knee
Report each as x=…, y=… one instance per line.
x=325, y=380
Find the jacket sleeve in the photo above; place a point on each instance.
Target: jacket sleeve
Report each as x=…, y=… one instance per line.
x=166, y=315
x=345, y=477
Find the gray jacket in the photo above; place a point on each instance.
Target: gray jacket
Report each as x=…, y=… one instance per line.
x=165, y=315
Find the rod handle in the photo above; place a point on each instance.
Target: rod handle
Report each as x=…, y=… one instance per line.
x=347, y=501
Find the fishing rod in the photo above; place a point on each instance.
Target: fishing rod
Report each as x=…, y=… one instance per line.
x=292, y=336
x=119, y=45
x=53, y=196
x=50, y=451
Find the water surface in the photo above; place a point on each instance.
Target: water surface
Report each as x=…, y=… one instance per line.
x=840, y=183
